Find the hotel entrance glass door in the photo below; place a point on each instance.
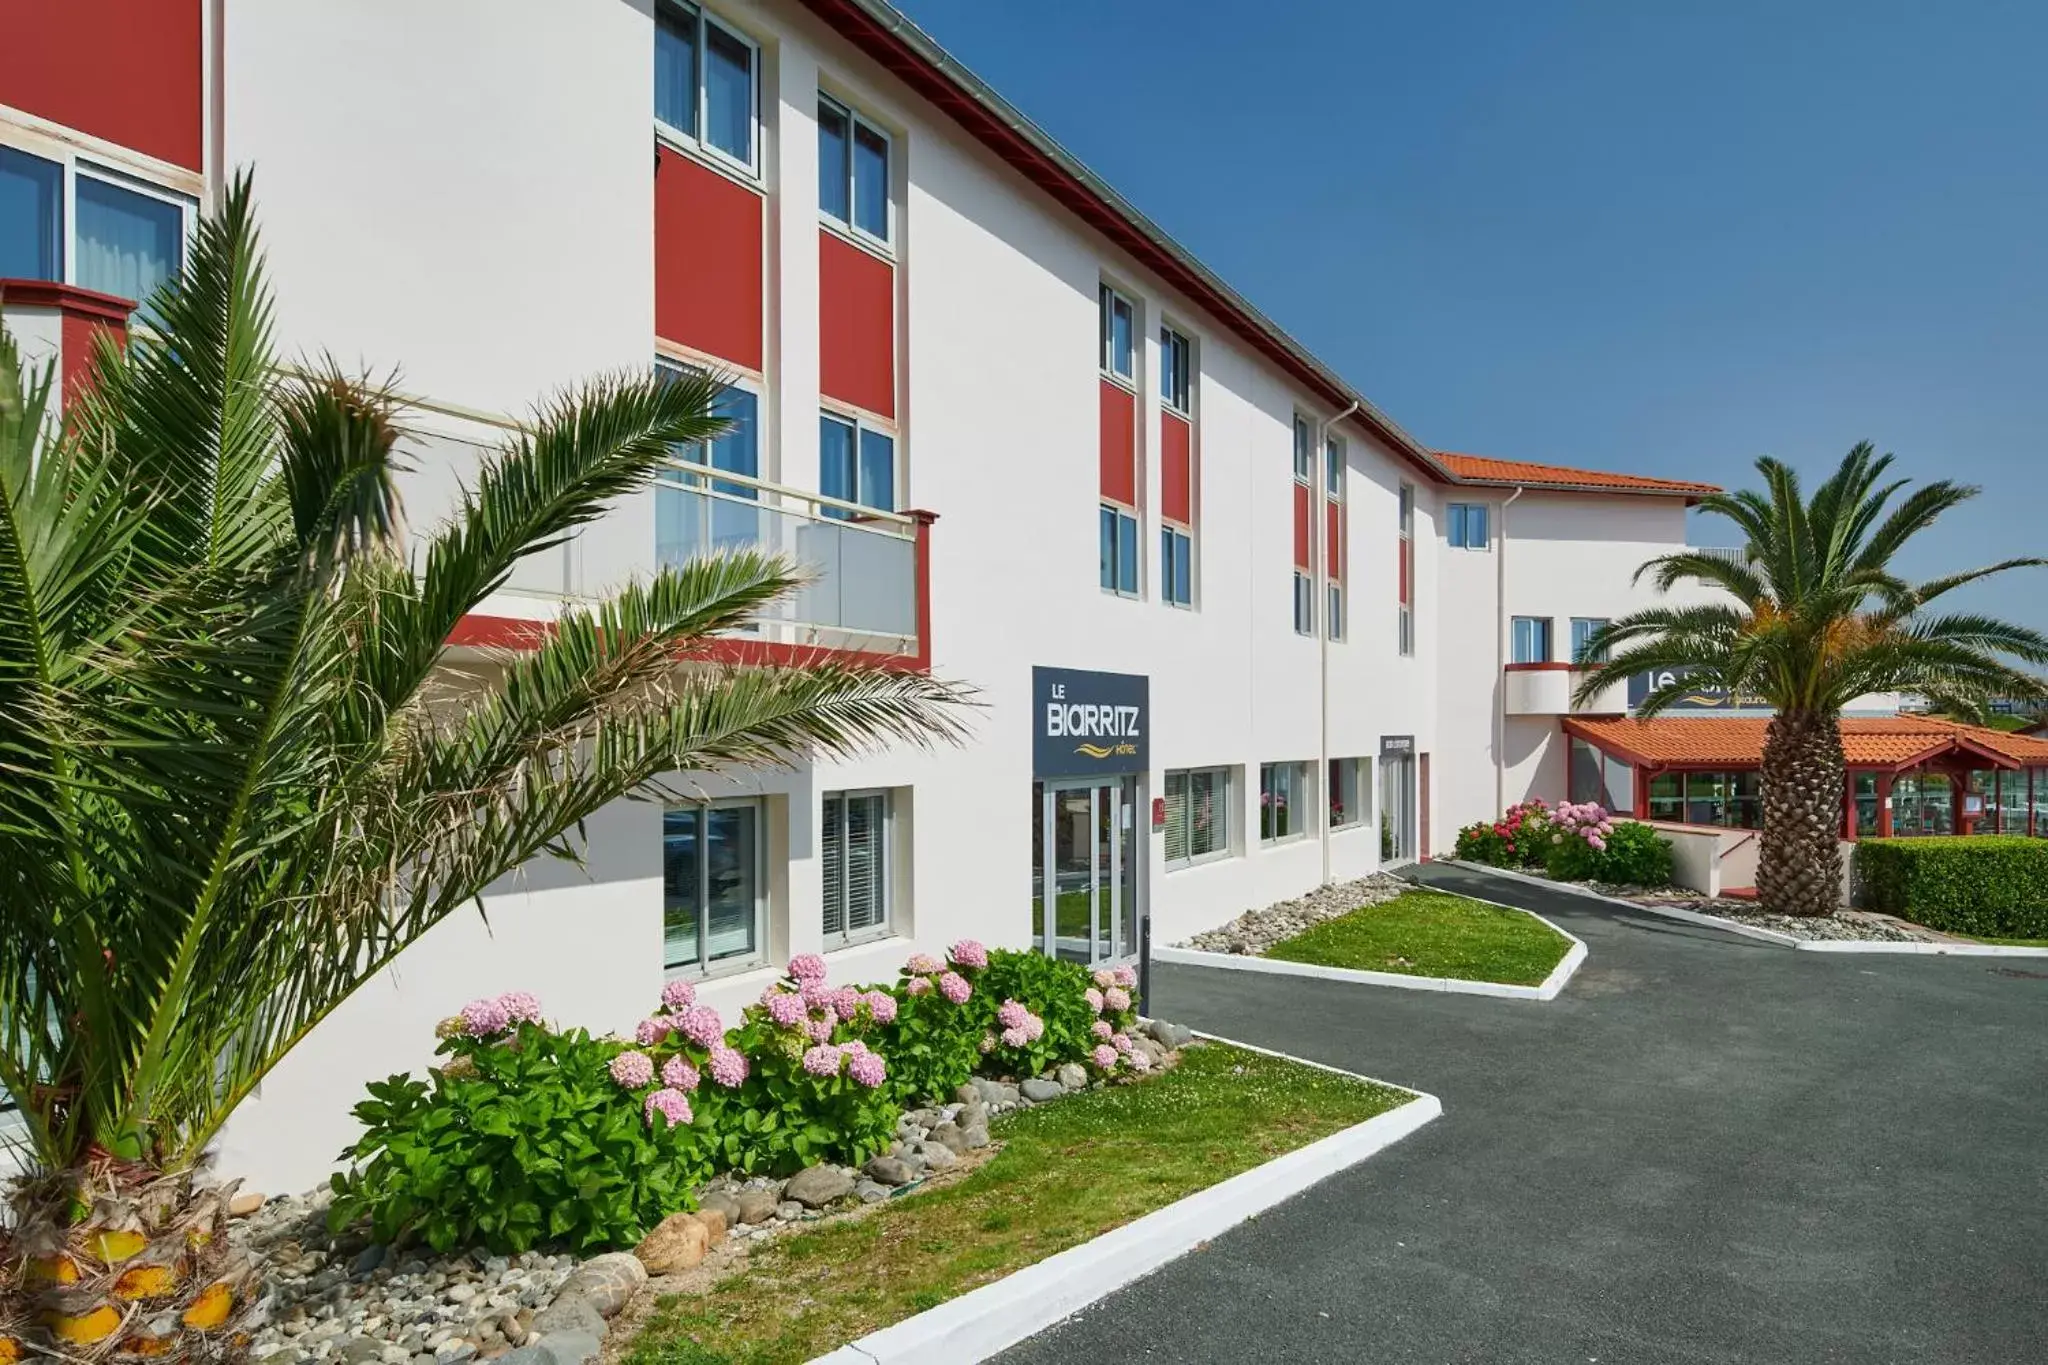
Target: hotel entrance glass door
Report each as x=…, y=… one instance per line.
x=1085, y=878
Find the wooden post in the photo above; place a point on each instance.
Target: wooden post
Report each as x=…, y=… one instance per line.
x=1849, y=805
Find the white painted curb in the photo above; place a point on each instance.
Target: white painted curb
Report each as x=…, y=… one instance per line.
x=995, y=1317
x=1566, y=968
x=1804, y=945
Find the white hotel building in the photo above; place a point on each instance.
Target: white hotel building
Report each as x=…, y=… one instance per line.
x=1026, y=440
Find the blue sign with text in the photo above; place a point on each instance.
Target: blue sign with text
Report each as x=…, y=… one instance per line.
x=1086, y=723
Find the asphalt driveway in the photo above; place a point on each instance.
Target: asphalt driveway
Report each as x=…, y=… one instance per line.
x=1706, y=1150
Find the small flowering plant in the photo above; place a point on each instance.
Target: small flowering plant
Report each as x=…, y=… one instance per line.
x=940, y=1017
x=1113, y=1033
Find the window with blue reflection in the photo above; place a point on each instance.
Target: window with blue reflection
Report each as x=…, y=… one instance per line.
x=1127, y=555
x=128, y=243
x=1531, y=640
x=729, y=94
x=1116, y=333
x=838, y=472
x=870, y=181
x=1107, y=521
x=675, y=67
x=1176, y=567
x=1583, y=628
x=1465, y=525
x=695, y=516
x=877, y=470
x=855, y=464
x=31, y=217
x=834, y=180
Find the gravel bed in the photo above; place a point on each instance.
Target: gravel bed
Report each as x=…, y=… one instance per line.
x=1255, y=931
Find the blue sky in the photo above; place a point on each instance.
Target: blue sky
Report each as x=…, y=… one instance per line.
x=1663, y=238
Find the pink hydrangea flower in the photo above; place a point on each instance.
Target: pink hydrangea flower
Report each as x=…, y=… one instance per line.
x=672, y=1104
x=785, y=1009
x=521, y=1007
x=881, y=1006
x=678, y=995
x=1094, y=999
x=1034, y=1027
x=955, y=988
x=484, y=1018
x=822, y=1060
x=867, y=1069
x=648, y=1032
x=1116, y=999
x=919, y=985
x=820, y=1030
x=632, y=1069
x=922, y=964
x=970, y=953
x=1139, y=1061
x=846, y=1000
x=815, y=992
x=1104, y=979
x=1104, y=1057
x=1101, y=1029
x=728, y=1066
x=1126, y=975
x=1015, y=1037
x=807, y=967
x=679, y=1073
x=1122, y=1043
x=988, y=1043
x=853, y=1047
x=702, y=1026
x=1010, y=1014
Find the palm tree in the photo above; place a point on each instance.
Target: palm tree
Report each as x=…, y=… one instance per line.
x=1818, y=617
x=240, y=777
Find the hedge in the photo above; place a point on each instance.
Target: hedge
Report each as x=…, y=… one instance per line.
x=1990, y=885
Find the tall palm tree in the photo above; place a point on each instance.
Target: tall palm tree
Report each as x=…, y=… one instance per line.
x=240, y=776
x=1818, y=617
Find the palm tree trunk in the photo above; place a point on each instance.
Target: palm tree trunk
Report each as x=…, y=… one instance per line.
x=1799, y=870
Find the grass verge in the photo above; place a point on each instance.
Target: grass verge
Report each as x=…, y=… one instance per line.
x=1433, y=933
x=2007, y=942
x=1067, y=1172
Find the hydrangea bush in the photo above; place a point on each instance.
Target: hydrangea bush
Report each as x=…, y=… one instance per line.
x=526, y=1136
x=1520, y=838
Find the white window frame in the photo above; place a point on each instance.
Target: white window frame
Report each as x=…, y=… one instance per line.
x=1183, y=374
x=1360, y=812
x=886, y=844
x=1549, y=639
x=1167, y=581
x=704, y=968
x=1304, y=603
x=1572, y=644
x=863, y=422
x=1404, y=501
x=1459, y=537
x=1107, y=297
x=855, y=121
x=1333, y=610
x=1123, y=514
x=697, y=143
x=72, y=162
x=1306, y=771
x=1227, y=804
x=1304, y=449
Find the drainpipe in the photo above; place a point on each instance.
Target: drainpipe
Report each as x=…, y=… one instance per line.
x=1500, y=670
x=1319, y=553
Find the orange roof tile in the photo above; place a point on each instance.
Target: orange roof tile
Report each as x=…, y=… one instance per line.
x=1738, y=741
x=1484, y=469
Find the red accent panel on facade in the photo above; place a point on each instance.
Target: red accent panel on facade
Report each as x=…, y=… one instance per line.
x=1119, y=444
x=1333, y=539
x=81, y=315
x=856, y=326
x=1176, y=469
x=1301, y=516
x=76, y=336
x=129, y=73
x=707, y=261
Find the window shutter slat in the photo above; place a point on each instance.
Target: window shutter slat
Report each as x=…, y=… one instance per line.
x=833, y=847
x=864, y=825
x=1176, y=817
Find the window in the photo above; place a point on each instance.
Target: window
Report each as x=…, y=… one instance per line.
x=1176, y=567
x=124, y=237
x=704, y=75
x=1596, y=777
x=712, y=884
x=1118, y=324
x=856, y=463
x=1174, y=371
x=1582, y=635
x=1304, y=604
x=853, y=844
x=853, y=170
x=1333, y=526
x=1198, y=806
x=1350, y=789
x=1866, y=805
x=1283, y=801
x=1335, y=611
x=1406, y=628
x=1119, y=551
x=1333, y=468
x=1303, y=447
x=1465, y=525
x=1531, y=640
x=695, y=515
x=1729, y=800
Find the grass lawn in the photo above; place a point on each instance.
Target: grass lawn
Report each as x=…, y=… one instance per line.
x=1067, y=1172
x=2008, y=942
x=1433, y=933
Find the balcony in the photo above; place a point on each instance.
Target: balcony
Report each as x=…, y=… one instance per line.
x=1546, y=689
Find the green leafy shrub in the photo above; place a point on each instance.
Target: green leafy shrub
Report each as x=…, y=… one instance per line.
x=1585, y=843
x=1484, y=842
x=1636, y=855
x=1991, y=885
x=519, y=1140
x=1049, y=990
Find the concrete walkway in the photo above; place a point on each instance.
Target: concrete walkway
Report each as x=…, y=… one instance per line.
x=1707, y=1150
